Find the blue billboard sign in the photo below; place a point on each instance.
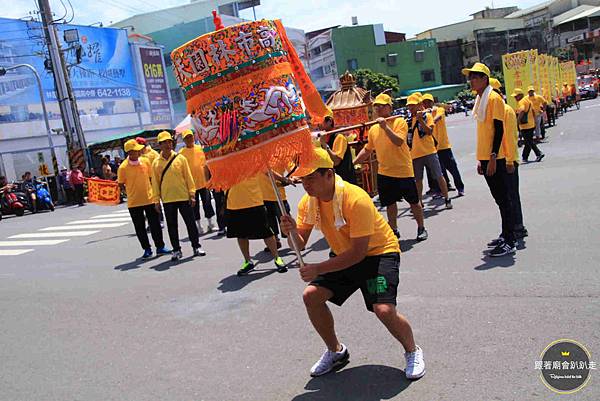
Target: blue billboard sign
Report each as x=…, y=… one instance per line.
x=105, y=72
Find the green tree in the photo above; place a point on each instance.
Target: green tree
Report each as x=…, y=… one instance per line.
x=375, y=81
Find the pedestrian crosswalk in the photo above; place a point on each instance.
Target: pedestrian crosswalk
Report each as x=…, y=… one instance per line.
x=24, y=243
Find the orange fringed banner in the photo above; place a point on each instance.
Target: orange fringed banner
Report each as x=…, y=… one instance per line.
x=226, y=171
x=103, y=192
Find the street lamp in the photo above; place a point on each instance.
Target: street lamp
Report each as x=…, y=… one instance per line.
x=3, y=71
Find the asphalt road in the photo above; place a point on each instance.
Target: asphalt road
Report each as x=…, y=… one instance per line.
x=84, y=319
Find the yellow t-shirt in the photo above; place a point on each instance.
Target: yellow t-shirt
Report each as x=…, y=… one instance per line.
x=340, y=145
x=177, y=184
x=526, y=105
x=362, y=219
x=537, y=101
x=510, y=139
x=137, y=182
x=245, y=195
x=440, y=131
x=267, y=189
x=196, y=160
x=393, y=160
x=422, y=146
x=150, y=154
x=485, y=129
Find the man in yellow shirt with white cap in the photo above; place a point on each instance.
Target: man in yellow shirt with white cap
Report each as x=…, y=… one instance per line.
x=368, y=258
x=172, y=182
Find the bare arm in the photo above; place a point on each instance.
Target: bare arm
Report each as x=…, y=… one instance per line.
x=395, y=138
x=362, y=155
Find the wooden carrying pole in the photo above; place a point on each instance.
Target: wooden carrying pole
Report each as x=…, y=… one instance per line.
x=352, y=127
x=284, y=212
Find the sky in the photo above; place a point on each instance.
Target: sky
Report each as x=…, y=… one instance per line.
x=396, y=15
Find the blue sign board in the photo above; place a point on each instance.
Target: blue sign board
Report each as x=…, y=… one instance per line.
x=105, y=72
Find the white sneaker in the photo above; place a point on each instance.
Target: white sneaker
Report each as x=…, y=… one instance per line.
x=212, y=226
x=176, y=256
x=199, y=252
x=415, y=364
x=329, y=361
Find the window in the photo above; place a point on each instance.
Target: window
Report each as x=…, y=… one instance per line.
x=427, y=75
x=419, y=55
x=382, y=59
x=353, y=64
x=392, y=59
x=317, y=73
x=176, y=95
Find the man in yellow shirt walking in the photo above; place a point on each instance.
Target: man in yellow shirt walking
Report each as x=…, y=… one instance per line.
x=539, y=106
x=526, y=118
x=134, y=175
x=172, y=182
x=197, y=162
x=489, y=113
x=395, y=177
x=368, y=258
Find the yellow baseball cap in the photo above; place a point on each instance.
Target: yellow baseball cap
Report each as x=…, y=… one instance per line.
x=329, y=112
x=427, y=96
x=321, y=159
x=383, y=98
x=415, y=98
x=164, y=136
x=133, y=145
x=517, y=92
x=495, y=83
x=477, y=67
x=531, y=88
x=187, y=133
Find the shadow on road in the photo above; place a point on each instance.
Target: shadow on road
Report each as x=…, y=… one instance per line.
x=235, y=283
x=136, y=264
x=365, y=383
x=407, y=244
x=109, y=238
x=490, y=263
x=167, y=264
x=319, y=245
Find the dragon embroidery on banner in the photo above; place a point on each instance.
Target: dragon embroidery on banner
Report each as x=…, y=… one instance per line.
x=277, y=99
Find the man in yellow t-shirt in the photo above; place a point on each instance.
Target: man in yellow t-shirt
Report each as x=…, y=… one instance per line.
x=489, y=113
x=510, y=141
x=197, y=162
x=368, y=258
x=395, y=175
x=539, y=106
x=147, y=151
x=246, y=218
x=525, y=107
x=172, y=182
x=444, y=149
x=422, y=147
x=339, y=150
x=134, y=177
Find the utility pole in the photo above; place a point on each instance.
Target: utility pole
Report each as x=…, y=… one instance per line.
x=64, y=93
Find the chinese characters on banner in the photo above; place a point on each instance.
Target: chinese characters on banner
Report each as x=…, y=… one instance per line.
x=156, y=85
x=517, y=73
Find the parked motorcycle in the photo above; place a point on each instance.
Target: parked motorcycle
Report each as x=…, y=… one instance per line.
x=12, y=203
x=44, y=199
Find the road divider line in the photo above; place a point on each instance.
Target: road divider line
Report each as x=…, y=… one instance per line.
x=101, y=221
x=84, y=226
x=14, y=252
x=58, y=234
x=41, y=242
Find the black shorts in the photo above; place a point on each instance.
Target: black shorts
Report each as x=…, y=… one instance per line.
x=392, y=190
x=249, y=223
x=376, y=276
x=273, y=215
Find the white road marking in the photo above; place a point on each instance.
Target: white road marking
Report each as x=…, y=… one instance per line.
x=33, y=242
x=98, y=221
x=14, y=252
x=121, y=211
x=594, y=105
x=108, y=216
x=84, y=226
x=50, y=235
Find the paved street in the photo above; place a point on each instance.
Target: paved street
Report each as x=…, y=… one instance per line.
x=84, y=319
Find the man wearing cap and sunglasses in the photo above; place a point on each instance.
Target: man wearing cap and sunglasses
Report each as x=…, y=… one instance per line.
x=134, y=175
x=172, y=182
x=368, y=258
x=526, y=117
x=489, y=113
x=395, y=175
x=197, y=162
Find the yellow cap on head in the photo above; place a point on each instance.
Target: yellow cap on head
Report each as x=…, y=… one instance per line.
x=495, y=83
x=428, y=96
x=132, y=144
x=187, y=133
x=329, y=112
x=531, y=88
x=517, y=92
x=164, y=136
x=383, y=98
x=320, y=159
x=415, y=98
x=477, y=67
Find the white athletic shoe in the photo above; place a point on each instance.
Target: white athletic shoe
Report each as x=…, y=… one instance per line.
x=415, y=364
x=176, y=256
x=329, y=361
